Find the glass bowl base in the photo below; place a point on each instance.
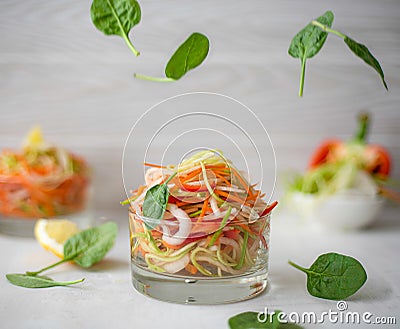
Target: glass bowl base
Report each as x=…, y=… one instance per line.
x=198, y=290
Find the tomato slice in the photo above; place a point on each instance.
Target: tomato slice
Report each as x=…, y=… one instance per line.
x=324, y=152
x=380, y=163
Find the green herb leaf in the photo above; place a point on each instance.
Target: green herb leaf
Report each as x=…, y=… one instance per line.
x=86, y=247
x=90, y=246
x=116, y=17
x=363, y=52
x=308, y=42
x=254, y=320
x=28, y=281
x=155, y=201
x=190, y=54
x=334, y=276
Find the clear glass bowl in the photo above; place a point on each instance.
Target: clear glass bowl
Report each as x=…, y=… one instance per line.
x=25, y=203
x=213, y=265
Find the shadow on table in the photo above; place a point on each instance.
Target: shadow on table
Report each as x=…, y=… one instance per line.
x=375, y=289
x=281, y=281
x=109, y=264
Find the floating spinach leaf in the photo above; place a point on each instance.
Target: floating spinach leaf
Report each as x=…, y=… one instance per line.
x=188, y=56
x=363, y=52
x=308, y=42
x=254, y=320
x=116, y=17
x=29, y=281
x=156, y=200
x=334, y=276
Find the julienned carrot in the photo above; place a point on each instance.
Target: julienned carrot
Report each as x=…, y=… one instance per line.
x=203, y=210
x=210, y=237
x=189, y=176
x=220, y=172
x=191, y=269
x=181, y=203
x=141, y=250
x=242, y=181
x=231, y=197
x=246, y=228
x=223, y=179
x=153, y=165
x=156, y=234
x=170, y=246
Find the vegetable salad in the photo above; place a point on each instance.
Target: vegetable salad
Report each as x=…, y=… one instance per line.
x=200, y=218
x=41, y=180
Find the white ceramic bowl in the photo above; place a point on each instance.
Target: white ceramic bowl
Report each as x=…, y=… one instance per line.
x=342, y=211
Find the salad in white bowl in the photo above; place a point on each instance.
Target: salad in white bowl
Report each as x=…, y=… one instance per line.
x=344, y=186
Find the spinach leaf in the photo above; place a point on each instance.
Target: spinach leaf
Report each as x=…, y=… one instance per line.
x=334, y=276
x=308, y=42
x=116, y=17
x=87, y=247
x=156, y=200
x=28, y=281
x=190, y=54
x=90, y=246
x=251, y=320
x=84, y=248
x=363, y=52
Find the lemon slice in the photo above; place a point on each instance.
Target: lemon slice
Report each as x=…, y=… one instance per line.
x=35, y=139
x=53, y=233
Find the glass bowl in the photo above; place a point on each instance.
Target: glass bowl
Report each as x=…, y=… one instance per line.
x=22, y=202
x=213, y=265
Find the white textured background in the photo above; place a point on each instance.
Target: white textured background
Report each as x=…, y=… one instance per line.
x=58, y=71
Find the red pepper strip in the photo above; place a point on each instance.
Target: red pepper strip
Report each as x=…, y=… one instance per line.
x=232, y=234
x=269, y=208
x=172, y=199
x=264, y=242
x=194, y=188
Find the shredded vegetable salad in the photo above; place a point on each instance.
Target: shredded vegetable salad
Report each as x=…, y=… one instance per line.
x=41, y=180
x=211, y=221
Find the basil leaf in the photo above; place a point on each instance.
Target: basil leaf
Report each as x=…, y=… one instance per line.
x=189, y=55
x=308, y=42
x=250, y=320
x=334, y=276
x=28, y=281
x=116, y=17
x=363, y=52
x=90, y=246
x=155, y=201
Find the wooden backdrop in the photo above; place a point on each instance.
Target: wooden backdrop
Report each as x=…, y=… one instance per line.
x=58, y=71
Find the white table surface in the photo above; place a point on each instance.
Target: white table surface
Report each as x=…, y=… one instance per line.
x=58, y=71
x=107, y=298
